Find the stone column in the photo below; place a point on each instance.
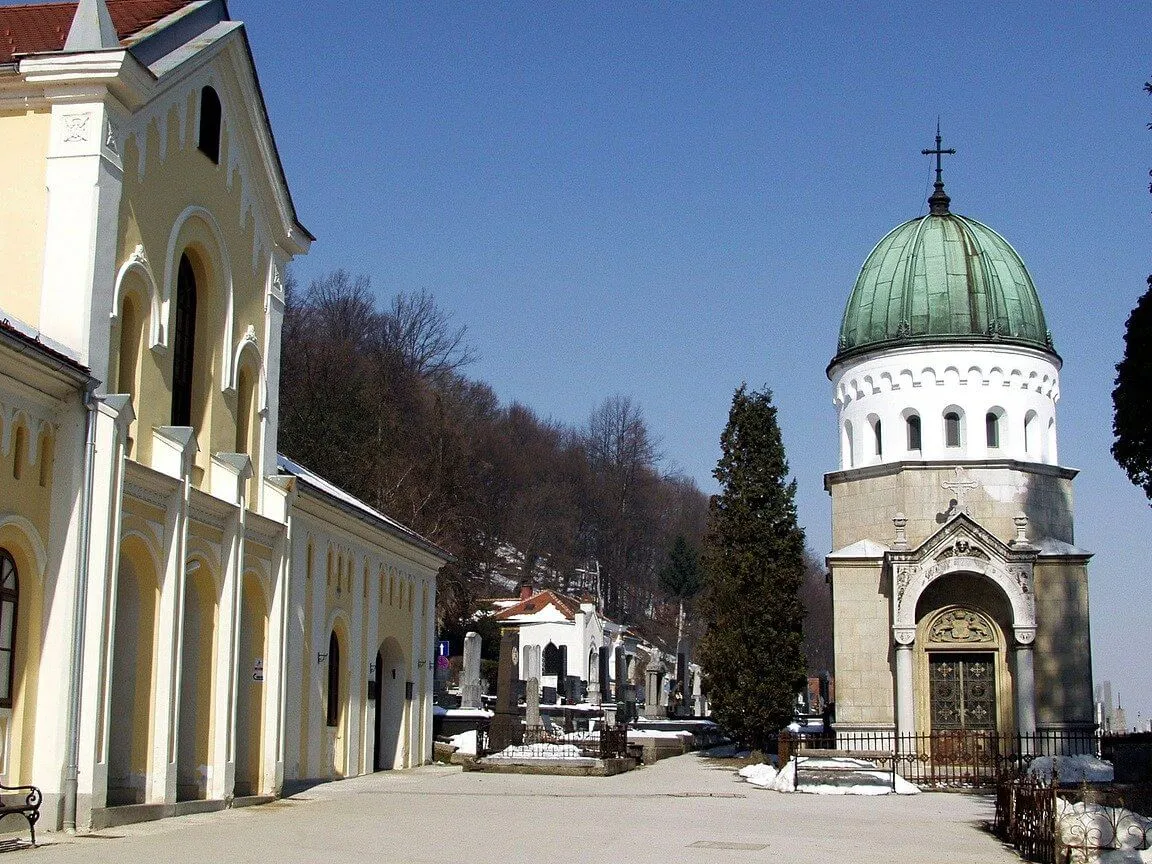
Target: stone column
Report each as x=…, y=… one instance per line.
x=470, y=676
x=532, y=706
x=905, y=696
x=1025, y=682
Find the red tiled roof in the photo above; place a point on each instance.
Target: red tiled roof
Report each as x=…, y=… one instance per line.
x=566, y=605
x=37, y=27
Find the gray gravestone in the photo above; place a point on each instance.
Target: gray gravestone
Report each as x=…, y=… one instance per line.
x=594, y=680
x=654, y=688
x=532, y=708
x=505, y=729
x=470, y=677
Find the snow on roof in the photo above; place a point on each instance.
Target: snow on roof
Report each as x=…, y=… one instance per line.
x=1051, y=546
x=566, y=606
x=350, y=502
x=861, y=549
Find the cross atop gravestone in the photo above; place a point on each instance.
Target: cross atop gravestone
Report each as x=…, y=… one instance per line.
x=960, y=487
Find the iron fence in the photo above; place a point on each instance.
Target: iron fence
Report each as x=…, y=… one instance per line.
x=551, y=742
x=944, y=759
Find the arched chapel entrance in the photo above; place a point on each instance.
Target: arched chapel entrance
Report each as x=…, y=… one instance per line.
x=390, y=704
x=962, y=671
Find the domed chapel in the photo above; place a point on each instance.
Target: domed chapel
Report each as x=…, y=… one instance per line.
x=960, y=599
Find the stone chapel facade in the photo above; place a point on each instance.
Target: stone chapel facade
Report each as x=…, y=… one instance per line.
x=188, y=620
x=960, y=599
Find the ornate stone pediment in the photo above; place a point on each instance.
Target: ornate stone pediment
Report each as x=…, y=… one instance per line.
x=962, y=546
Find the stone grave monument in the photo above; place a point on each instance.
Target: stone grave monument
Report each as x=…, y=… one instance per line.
x=470, y=676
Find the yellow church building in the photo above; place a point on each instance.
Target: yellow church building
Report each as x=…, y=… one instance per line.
x=188, y=620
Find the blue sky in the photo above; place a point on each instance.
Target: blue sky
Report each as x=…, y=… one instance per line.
x=664, y=200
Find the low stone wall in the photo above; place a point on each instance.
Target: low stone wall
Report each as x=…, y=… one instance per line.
x=561, y=767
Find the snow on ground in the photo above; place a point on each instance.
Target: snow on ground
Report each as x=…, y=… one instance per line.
x=1072, y=769
x=1084, y=824
x=539, y=751
x=635, y=734
x=465, y=742
x=461, y=712
x=878, y=782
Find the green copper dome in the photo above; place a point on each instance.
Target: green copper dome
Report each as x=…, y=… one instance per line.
x=942, y=278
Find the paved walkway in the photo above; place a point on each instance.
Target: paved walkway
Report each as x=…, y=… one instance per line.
x=679, y=810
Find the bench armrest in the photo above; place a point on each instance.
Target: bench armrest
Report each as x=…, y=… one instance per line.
x=32, y=799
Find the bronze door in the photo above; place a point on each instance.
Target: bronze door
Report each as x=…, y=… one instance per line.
x=962, y=691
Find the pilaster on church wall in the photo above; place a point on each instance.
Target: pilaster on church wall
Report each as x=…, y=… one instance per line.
x=84, y=179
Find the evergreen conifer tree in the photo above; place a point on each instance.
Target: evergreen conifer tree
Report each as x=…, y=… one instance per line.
x=681, y=580
x=754, y=565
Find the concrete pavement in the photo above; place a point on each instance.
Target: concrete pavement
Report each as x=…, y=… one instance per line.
x=679, y=810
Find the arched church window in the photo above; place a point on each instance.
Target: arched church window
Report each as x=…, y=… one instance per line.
x=914, y=436
x=333, y=712
x=551, y=659
x=1030, y=433
x=131, y=326
x=952, y=429
x=878, y=437
x=184, y=344
x=245, y=393
x=846, y=445
x=210, y=123
x=992, y=430
x=9, y=597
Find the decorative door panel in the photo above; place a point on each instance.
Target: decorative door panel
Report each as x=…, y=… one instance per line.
x=962, y=690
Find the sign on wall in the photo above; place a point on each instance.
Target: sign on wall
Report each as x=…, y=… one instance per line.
x=258, y=670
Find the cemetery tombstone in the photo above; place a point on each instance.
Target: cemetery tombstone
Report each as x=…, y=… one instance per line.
x=470, y=676
x=505, y=729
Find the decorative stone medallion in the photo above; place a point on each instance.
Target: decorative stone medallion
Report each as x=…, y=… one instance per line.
x=961, y=626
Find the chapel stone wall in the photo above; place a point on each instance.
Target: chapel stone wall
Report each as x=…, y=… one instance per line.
x=861, y=600
x=1063, y=645
x=864, y=501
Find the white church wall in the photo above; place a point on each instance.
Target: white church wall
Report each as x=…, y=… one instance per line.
x=1019, y=385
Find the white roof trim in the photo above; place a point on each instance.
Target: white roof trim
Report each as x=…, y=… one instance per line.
x=860, y=549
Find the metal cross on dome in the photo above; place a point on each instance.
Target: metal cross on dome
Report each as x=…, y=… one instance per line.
x=939, y=201
x=959, y=487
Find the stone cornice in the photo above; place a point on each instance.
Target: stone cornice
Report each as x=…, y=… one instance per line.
x=884, y=469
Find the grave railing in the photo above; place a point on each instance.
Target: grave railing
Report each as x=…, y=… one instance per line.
x=952, y=759
x=552, y=742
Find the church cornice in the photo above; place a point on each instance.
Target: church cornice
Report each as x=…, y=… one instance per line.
x=885, y=469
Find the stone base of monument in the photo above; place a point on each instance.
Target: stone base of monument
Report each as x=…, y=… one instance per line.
x=563, y=767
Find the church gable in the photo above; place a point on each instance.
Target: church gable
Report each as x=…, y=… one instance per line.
x=963, y=546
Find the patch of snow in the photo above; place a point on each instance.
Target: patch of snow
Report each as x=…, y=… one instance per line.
x=539, y=751
x=1072, y=769
x=466, y=712
x=635, y=734
x=465, y=742
x=765, y=776
x=1084, y=824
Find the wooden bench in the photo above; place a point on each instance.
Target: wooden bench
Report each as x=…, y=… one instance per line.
x=29, y=808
